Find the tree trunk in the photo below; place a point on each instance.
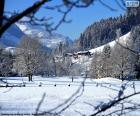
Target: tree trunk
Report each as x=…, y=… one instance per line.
x=31, y=76
x=28, y=77
x=72, y=78
x=122, y=75
x=1, y=11
x=55, y=71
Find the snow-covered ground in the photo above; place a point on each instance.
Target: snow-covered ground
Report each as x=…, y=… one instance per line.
x=85, y=61
x=55, y=91
x=124, y=40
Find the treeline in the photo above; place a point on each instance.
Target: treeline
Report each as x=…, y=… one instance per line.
x=121, y=61
x=104, y=31
x=6, y=63
x=31, y=58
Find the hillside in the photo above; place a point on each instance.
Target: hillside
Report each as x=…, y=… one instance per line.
x=104, y=31
x=84, y=61
x=123, y=40
x=11, y=37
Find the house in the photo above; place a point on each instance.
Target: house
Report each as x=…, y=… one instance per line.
x=85, y=53
x=78, y=54
x=68, y=55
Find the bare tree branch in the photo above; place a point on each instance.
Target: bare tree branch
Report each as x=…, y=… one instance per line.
x=1, y=11
x=67, y=103
x=14, y=19
x=121, y=5
x=113, y=103
x=107, y=6
x=39, y=104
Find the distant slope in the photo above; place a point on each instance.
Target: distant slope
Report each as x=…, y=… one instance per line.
x=50, y=41
x=84, y=62
x=122, y=40
x=104, y=31
x=14, y=34
x=11, y=37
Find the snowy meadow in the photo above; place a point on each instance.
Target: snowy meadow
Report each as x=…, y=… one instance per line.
x=61, y=96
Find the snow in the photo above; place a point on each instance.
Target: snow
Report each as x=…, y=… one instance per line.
x=48, y=40
x=10, y=49
x=123, y=40
x=11, y=37
x=85, y=61
x=26, y=99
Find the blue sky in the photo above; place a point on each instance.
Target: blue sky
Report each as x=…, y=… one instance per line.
x=81, y=18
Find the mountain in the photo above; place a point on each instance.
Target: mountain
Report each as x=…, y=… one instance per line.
x=14, y=34
x=11, y=37
x=104, y=31
x=83, y=62
x=123, y=40
x=48, y=40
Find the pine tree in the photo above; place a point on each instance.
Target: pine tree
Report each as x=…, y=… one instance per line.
x=106, y=61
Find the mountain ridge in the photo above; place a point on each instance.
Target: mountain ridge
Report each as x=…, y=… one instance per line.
x=48, y=40
x=13, y=36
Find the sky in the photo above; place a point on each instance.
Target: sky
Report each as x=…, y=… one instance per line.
x=81, y=18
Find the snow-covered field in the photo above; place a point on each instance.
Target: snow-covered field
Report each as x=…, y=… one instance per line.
x=54, y=94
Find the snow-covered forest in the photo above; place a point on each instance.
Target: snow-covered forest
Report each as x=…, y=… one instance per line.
x=46, y=73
